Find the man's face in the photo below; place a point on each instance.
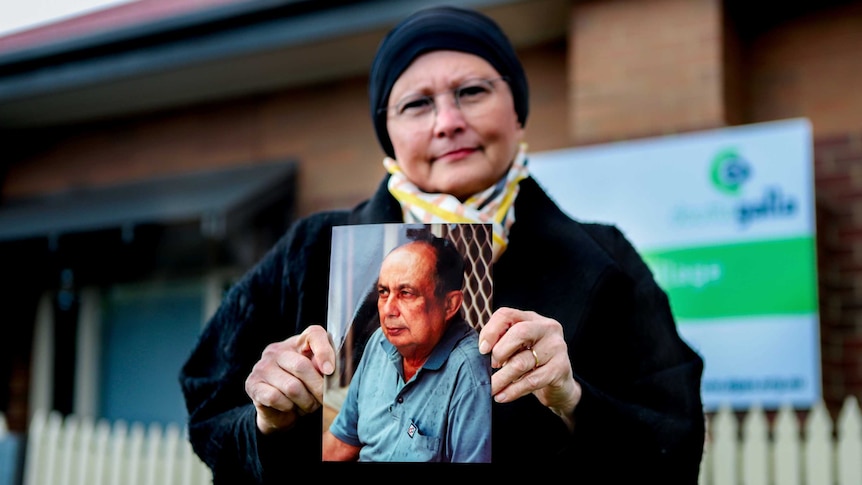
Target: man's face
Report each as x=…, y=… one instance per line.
x=412, y=317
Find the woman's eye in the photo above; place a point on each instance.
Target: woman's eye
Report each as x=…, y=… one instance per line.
x=417, y=105
x=472, y=91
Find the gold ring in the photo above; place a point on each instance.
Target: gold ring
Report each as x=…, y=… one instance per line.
x=535, y=357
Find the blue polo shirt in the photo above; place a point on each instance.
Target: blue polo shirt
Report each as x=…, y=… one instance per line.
x=443, y=414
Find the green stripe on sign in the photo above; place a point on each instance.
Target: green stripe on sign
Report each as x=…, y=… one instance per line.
x=753, y=278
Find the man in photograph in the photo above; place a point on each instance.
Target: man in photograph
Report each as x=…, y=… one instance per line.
x=422, y=390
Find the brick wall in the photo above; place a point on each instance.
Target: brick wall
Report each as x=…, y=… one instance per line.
x=548, y=125
x=838, y=188
x=809, y=67
x=326, y=128
x=643, y=68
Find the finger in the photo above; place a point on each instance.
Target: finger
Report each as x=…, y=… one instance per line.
x=505, y=389
x=269, y=398
x=523, y=336
x=497, y=326
x=270, y=419
x=286, y=383
x=514, y=370
x=317, y=345
x=300, y=380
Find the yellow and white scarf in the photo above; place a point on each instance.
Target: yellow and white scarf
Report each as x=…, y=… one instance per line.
x=494, y=205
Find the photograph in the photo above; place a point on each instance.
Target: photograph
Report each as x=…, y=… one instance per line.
x=406, y=302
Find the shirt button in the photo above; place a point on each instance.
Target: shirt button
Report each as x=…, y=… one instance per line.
x=400, y=399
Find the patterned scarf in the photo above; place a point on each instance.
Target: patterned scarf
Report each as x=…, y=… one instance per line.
x=494, y=205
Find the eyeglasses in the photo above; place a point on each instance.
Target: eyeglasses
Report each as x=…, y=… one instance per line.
x=472, y=98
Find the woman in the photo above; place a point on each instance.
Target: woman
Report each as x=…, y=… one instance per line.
x=591, y=371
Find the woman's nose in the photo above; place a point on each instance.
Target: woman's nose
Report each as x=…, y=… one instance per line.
x=448, y=117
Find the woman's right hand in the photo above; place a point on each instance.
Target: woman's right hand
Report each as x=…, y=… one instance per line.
x=287, y=381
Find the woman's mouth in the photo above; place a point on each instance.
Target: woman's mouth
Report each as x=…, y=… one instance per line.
x=457, y=154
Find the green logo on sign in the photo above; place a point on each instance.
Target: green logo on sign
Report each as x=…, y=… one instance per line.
x=729, y=171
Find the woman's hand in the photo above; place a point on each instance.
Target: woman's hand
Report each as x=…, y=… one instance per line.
x=287, y=381
x=531, y=356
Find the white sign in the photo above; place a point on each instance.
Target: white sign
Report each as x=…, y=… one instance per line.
x=725, y=220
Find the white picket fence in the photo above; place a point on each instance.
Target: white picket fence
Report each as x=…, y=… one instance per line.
x=751, y=452
x=746, y=451
x=77, y=451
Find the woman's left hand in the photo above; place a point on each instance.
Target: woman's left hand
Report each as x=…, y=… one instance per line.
x=531, y=356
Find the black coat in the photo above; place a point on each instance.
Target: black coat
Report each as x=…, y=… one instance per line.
x=640, y=418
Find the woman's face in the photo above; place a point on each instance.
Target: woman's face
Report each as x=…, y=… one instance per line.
x=459, y=147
